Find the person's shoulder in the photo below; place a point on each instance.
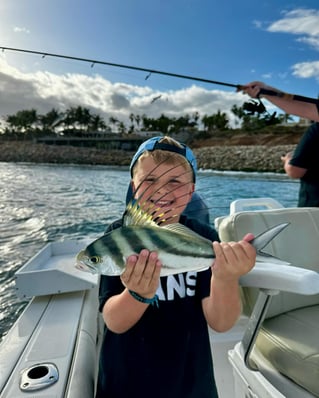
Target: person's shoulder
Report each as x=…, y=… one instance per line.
x=311, y=135
x=313, y=129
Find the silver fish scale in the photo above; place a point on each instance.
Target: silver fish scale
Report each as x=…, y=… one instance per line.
x=179, y=248
x=160, y=239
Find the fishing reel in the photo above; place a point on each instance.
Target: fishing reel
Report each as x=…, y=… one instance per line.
x=254, y=106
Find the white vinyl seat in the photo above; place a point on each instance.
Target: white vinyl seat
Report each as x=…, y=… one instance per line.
x=288, y=339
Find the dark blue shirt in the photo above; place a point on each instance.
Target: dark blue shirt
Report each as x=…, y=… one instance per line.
x=166, y=354
x=306, y=156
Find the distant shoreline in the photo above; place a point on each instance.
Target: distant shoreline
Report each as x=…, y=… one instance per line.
x=254, y=158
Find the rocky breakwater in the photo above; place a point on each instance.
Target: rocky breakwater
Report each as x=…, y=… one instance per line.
x=26, y=151
x=260, y=158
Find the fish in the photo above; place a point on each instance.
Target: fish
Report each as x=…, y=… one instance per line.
x=179, y=248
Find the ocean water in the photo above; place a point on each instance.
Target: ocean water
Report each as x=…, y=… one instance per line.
x=44, y=203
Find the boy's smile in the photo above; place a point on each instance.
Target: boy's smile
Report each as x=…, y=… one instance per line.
x=164, y=190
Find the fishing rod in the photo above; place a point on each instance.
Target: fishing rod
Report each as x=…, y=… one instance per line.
x=239, y=87
x=94, y=61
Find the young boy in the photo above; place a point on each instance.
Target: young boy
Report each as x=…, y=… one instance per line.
x=164, y=351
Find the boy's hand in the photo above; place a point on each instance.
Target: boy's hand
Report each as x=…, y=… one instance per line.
x=142, y=273
x=233, y=259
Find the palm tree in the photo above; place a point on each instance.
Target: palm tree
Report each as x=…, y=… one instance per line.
x=50, y=120
x=122, y=128
x=113, y=121
x=217, y=121
x=97, y=123
x=23, y=121
x=195, y=117
x=147, y=123
x=138, y=120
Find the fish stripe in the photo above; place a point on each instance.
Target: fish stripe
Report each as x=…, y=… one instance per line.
x=178, y=250
x=160, y=242
x=116, y=251
x=133, y=239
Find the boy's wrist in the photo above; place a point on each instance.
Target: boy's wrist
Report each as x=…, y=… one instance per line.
x=152, y=301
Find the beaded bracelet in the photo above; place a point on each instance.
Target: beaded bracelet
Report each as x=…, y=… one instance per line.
x=153, y=301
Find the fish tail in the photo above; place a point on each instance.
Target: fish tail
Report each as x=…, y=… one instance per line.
x=263, y=239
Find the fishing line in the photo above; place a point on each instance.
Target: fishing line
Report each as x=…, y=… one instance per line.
x=150, y=210
x=200, y=199
x=141, y=183
x=152, y=205
x=159, y=72
x=161, y=218
x=150, y=71
x=203, y=199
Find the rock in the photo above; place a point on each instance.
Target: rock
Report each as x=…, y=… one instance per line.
x=260, y=158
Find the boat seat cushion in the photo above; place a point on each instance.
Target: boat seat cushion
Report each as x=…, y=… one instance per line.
x=288, y=338
x=297, y=244
x=282, y=341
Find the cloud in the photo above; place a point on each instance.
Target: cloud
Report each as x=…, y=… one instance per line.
x=306, y=69
x=304, y=23
x=258, y=24
x=44, y=91
x=18, y=29
x=119, y=101
x=299, y=22
x=311, y=41
x=267, y=75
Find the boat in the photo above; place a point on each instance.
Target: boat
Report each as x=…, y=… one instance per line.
x=273, y=350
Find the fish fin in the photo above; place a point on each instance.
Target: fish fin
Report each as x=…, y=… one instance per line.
x=182, y=230
x=134, y=215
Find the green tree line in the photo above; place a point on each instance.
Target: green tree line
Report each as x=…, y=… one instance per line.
x=80, y=121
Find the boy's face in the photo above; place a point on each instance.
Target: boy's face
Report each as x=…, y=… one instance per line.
x=164, y=190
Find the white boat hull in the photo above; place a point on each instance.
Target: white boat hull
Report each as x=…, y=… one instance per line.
x=62, y=328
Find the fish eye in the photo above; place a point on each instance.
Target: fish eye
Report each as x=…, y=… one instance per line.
x=95, y=259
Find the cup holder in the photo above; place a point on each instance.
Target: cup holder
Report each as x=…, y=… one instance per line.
x=36, y=377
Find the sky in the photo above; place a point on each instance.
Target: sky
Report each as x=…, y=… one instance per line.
x=233, y=42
